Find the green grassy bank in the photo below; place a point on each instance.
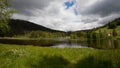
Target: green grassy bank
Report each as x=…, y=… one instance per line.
x=16, y=56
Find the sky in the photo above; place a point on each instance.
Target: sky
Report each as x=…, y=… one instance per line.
x=67, y=15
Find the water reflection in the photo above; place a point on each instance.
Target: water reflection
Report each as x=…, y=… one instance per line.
x=104, y=44
x=66, y=43
x=98, y=44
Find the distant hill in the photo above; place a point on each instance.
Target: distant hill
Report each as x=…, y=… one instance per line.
x=110, y=27
x=21, y=26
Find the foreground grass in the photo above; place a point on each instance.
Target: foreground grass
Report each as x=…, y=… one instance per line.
x=16, y=56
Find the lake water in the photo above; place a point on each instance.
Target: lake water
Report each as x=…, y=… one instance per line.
x=98, y=44
x=65, y=43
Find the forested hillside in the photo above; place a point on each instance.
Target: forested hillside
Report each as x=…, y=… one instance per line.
x=113, y=26
x=18, y=27
x=21, y=25
x=110, y=30
x=22, y=28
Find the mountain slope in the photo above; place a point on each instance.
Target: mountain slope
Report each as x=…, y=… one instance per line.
x=21, y=26
x=113, y=26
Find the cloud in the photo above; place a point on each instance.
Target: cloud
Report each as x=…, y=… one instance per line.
x=104, y=8
x=53, y=13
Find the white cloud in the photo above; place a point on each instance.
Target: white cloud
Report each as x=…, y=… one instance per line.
x=55, y=16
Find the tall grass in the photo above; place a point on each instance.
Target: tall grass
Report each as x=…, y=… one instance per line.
x=16, y=56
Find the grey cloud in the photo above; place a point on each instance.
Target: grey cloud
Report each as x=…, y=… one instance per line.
x=103, y=8
x=25, y=6
x=89, y=20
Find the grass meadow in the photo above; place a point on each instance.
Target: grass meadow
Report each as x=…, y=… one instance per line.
x=17, y=56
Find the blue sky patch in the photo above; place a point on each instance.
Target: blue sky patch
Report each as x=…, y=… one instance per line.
x=69, y=4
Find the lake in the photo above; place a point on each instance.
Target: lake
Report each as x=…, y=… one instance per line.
x=65, y=43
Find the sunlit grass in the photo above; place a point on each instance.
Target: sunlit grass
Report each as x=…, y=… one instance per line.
x=16, y=56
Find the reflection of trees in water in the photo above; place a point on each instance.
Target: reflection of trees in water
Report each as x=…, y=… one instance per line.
x=104, y=43
x=116, y=44
x=94, y=43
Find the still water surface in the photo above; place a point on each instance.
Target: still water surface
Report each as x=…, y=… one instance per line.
x=66, y=43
